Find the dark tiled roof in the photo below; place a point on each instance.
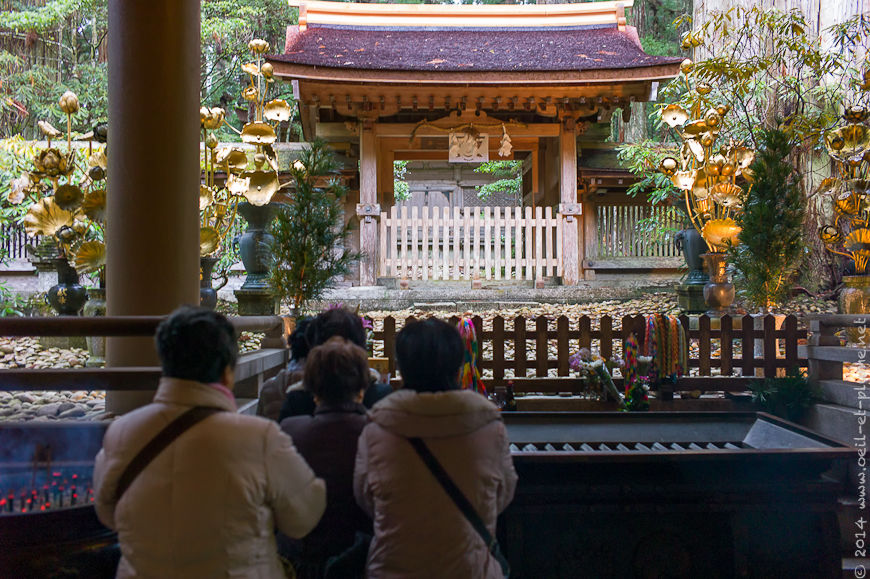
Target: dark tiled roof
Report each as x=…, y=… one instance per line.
x=452, y=50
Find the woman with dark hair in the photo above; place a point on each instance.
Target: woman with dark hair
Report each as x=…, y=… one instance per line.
x=336, y=373
x=330, y=323
x=274, y=389
x=419, y=531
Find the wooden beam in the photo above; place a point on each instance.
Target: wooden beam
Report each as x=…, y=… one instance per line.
x=405, y=129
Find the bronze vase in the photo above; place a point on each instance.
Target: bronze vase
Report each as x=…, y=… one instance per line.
x=719, y=291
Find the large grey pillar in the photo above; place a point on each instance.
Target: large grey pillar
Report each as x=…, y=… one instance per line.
x=152, y=224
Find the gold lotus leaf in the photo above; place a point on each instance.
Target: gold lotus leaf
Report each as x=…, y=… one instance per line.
x=669, y=166
x=277, y=110
x=695, y=148
x=94, y=205
x=234, y=158
x=209, y=240
x=206, y=197
x=847, y=205
x=727, y=195
x=90, y=256
x=858, y=242
x=855, y=114
x=261, y=187
x=743, y=156
x=68, y=197
x=829, y=234
x=251, y=68
x=748, y=175
x=258, y=133
x=238, y=185
x=700, y=191
x=718, y=232
x=45, y=217
x=834, y=141
x=704, y=207
x=18, y=189
x=98, y=159
x=858, y=186
x=48, y=130
x=674, y=116
x=686, y=66
x=684, y=180
x=696, y=127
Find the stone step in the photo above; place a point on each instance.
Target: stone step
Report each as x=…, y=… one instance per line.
x=835, y=421
x=843, y=393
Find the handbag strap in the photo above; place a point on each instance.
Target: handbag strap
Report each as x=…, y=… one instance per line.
x=453, y=491
x=155, y=446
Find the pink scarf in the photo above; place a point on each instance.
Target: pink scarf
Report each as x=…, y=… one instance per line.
x=225, y=391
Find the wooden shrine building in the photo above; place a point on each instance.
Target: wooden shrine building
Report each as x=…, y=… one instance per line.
x=468, y=83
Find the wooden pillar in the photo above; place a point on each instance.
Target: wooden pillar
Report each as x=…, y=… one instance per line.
x=569, y=208
x=368, y=209
x=152, y=259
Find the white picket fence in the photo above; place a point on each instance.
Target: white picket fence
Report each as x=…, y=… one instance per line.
x=440, y=243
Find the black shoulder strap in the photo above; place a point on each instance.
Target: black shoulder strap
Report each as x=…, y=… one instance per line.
x=463, y=503
x=155, y=446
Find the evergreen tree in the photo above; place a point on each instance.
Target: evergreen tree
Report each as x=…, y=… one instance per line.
x=771, y=241
x=309, y=250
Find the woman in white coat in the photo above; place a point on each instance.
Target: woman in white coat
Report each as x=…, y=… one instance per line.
x=208, y=504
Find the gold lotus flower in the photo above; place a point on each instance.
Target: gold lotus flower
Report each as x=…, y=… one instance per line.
x=258, y=134
x=684, y=180
x=90, y=256
x=748, y=175
x=743, y=156
x=209, y=240
x=211, y=141
x=51, y=163
x=718, y=232
x=727, y=195
x=68, y=197
x=858, y=242
x=45, y=217
x=848, y=141
x=18, y=189
x=94, y=205
x=723, y=110
x=703, y=88
x=686, y=66
x=674, y=116
x=251, y=68
x=267, y=69
x=712, y=118
x=238, y=185
x=234, y=158
x=261, y=186
x=669, y=166
x=829, y=234
x=206, y=197
x=258, y=46
x=250, y=94
x=277, y=110
x=211, y=118
x=69, y=103
x=98, y=159
x=855, y=114
x=707, y=139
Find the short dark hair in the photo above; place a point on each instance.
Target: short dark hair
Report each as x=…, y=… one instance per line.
x=336, y=371
x=196, y=344
x=336, y=322
x=297, y=340
x=429, y=355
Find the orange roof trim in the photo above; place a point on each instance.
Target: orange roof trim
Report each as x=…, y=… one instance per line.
x=313, y=12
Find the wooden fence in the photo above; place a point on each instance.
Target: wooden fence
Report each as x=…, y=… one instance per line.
x=621, y=232
x=472, y=242
x=14, y=241
x=721, y=352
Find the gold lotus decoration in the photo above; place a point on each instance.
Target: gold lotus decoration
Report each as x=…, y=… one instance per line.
x=218, y=204
x=90, y=257
x=711, y=171
x=74, y=210
x=848, y=145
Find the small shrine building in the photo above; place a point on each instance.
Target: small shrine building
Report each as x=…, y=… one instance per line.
x=470, y=83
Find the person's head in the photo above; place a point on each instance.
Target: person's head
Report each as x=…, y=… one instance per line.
x=429, y=355
x=336, y=322
x=197, y=344
x=297, y=340
x=337, y=372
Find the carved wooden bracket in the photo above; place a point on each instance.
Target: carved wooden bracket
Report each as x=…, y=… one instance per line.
x=368, y=209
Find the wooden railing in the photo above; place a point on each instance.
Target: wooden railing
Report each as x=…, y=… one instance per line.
x=251, y=369
x=620, y=233
x=15, y=241
x=470, y=243
x=542, y=347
